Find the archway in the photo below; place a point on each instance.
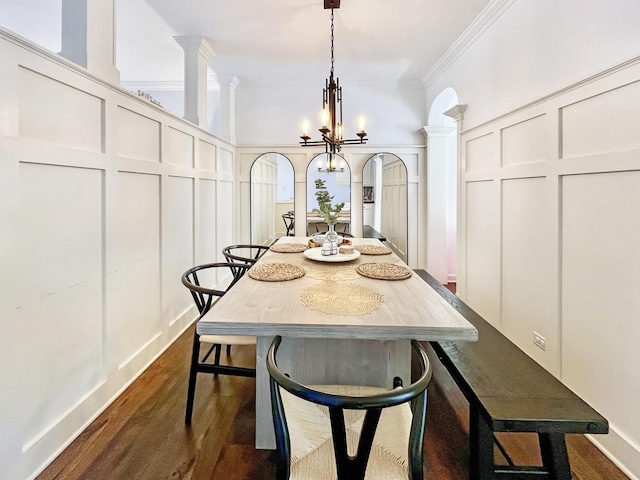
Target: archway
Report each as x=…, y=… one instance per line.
x=385, y=201
x=338, y=184
x=271, y=197
x=442, y=156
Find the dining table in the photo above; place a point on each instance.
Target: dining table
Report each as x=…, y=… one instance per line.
x=346, y=318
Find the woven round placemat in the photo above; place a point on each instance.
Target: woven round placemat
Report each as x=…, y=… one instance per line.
x=276, y=272
x=341, y=299
x=373, y=250
x=384, y=271
x=288, y=247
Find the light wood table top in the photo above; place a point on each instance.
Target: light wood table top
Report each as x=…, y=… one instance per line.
x=410, y=308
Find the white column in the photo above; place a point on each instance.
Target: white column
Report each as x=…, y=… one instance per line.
x=457, y=113
x=437, y=155
x=197, y=52
x=88, y=36
x=228, y=87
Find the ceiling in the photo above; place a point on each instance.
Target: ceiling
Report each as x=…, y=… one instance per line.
x=267, y=41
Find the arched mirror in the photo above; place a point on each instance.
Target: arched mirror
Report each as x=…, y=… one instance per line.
x=272, y=198
x=384, y=202
x=336, y=175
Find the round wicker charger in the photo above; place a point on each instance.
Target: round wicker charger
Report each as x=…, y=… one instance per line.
x=341, y=299
x=276, y=272
x=288, y=247
x=373, y=250
x=384, y=271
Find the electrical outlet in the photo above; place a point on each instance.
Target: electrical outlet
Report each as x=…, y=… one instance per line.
x=539, y=341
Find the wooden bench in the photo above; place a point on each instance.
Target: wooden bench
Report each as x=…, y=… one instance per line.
x=508, y=391
x=369, y=232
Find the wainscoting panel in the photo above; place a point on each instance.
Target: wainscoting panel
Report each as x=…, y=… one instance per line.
x=102, y=210
x=177, y=148
x=224, y=232
x=556, y=250
x=394, y=206
x=520, y=143
x=225, y=161
x=177, y=244
x=607, y=122
x=481, y=153
x=264, y=180
x=206, y=155
x=61, y=305
x=206, y=215
x=135, y=311
x=600, y=303
x=529, y=278
x=54, y=112
x=483, y=249
x=137, y=136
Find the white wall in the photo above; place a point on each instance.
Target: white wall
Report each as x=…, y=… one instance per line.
x=273, y=115
x=549, y=182
x=105, y=200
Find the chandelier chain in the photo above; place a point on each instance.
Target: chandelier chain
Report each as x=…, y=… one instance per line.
x=332, y=42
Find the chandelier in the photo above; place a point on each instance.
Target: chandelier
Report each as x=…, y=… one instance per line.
x=331, y=117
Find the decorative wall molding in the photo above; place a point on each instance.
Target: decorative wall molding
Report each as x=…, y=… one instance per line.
x=487, y=17
x=574, y=86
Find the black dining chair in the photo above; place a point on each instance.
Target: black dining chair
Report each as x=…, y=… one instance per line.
x=204, y=297
x=345, y=432
x=246, y=254
x=289, y=223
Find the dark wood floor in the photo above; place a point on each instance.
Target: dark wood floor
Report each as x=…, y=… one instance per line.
x=142, y=434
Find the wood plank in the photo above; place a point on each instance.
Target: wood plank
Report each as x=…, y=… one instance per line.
x=205, y=451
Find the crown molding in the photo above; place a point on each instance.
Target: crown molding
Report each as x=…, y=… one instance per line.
x=163, y=85
x=482, y=22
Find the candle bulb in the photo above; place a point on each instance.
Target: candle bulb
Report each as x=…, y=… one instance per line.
x=305, y=128
x=325, y=118
x=361, y=123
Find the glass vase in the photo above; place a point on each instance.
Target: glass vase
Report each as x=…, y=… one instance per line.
x=330, y=245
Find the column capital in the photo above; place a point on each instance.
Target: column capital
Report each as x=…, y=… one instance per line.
x=436, y=131
x=227, y=80
x=196, y=43
x=456, y=112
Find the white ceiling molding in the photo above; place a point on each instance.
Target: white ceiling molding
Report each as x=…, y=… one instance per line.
x=487, y=17
x=163, y=85
x=278, y=85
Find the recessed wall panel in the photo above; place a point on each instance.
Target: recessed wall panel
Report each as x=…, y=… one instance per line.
x=483, y=249
x=58, y=319
x=51, y=111
x=525, y=142
x=600, y=301
x=177, y=147
x=207, y=155
x=608, y=122
x=177, y=244
x=134, y=314
x=138, y=136
x=481, y=153
x=224, y=218
x=206, y=246
x=225, y=161
x=529, y=282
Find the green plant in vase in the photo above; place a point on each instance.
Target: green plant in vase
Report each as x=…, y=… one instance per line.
x=328, y=212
